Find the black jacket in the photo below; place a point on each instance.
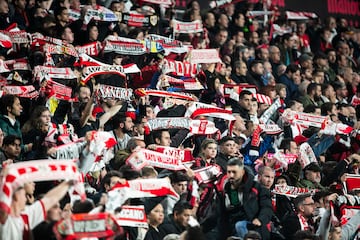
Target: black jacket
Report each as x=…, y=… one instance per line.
x=170, y=226
x=256, y=204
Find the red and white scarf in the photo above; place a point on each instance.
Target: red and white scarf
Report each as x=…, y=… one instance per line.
x=184, y=155
x=132, y=216
x=87, y=226
x=204, y=56
x=22, y=91
x=179, y=68
x=160, y=93
x=187, y=27
x=290, y=191
x=17, y=174
x=138, y=188
x=145, y=157
x=107, y=91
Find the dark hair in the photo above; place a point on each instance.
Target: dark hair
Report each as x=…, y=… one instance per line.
x=10, y=139
x=7, y=101
x=80, y=206
x=34, y=121
x=117, y=119
x=311, y=87
x=128, y=173
x=292, y=68
x=158, y=134
x=285, y=143
x=235, y=161
x=225, y=139
x=181, y=206
x=178, y=177
x=244, y=92
x=194, y=233
x=326, y=107
x=299, y=200
x=107, y=178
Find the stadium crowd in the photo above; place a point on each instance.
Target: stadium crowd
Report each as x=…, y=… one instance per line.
x=130, y=119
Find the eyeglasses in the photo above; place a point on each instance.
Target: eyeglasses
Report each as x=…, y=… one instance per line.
x=309, y=204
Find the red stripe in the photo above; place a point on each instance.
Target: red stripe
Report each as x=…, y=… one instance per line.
x=10, y=178
x=6, y=190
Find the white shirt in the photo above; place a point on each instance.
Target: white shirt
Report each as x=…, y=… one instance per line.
x=13, y=228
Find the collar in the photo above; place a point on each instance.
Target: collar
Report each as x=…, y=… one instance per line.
x=11, y=120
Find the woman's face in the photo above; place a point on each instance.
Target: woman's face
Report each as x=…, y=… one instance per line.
x=93, y=33
x=210, y=151
x=156, y=216
x=45, y=117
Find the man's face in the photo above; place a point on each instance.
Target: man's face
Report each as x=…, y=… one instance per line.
x=258, y=69
x=296, y=77
x=54, y=213
x=294, y=149
x=313, y=176
x=235, y=175
x=245, y=102
x=274, y=55
x=113, y=180
x=183, y=218
x=21, y=4
x=16, y=108
x=308, y=207
x=267, y=178
x=210, y=20
x=13, y=150
x=180, y=187
x=228, y=148
x=336, y=234
x=84, y=94
x=128, y=125
x=221, y=37
x=165, y=139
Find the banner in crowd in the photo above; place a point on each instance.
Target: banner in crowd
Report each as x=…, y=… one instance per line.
x=132, y=216
x=233, y=90
x=291, y=191
x=17, y=174
x=91, y=71
x=145, y=157
x=213, y=112
x=160, y=93
x=184, y=155
x=107, y=91
x=91, y=49
x=87, y=225
x=306, y=155
x=46, y=73
x=179, y=68
x=125, y=46
x=58, y=90
x=100, y=14
x=187, y=27
x=22, y=91
x=300, y=15
x=18, y=64
x=70, y=151
x=5, y=41
x=160, y=2
x=207, y=174
x=204, y=56
x=138, y=188
x=352, y=182
x=16, y=36
x=137, y=19
x=188, y=84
